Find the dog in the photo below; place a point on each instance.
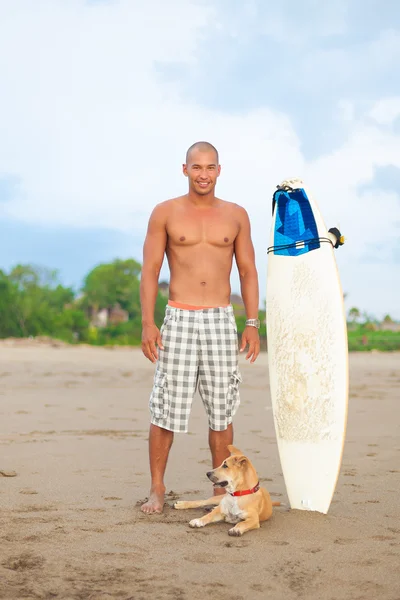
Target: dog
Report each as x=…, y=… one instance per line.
x=244, y=504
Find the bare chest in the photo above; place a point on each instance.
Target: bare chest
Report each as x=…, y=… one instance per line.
x=213, y=230
x=230, y=508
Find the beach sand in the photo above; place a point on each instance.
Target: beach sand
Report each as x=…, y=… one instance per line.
x=74, y=429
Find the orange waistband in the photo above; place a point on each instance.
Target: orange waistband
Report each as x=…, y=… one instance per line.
x=191, y=306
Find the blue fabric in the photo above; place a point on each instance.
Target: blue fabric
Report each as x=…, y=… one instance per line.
x=294, y=223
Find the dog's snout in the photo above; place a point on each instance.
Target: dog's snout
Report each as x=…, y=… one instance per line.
x=209, y=474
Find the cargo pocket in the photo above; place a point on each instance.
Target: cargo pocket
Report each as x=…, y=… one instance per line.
x=233, y=397
x=159, y=405
x=164, y=323
x=231, y=320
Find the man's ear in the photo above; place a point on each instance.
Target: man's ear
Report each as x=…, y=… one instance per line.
x=184, y=170
x=234, y=450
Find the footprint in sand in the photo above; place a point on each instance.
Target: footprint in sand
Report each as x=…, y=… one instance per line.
x=28, y=491
x=238, y=544
x=8, y=473
x=366, y=563
x=36, y=508
x=279, y=543
x=23, y=562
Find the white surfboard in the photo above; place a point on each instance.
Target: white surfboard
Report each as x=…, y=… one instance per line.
x=307, y=348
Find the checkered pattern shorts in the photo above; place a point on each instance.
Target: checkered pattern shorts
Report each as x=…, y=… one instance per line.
x=200, y=349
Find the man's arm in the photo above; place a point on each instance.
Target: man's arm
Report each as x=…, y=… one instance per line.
x=245, y=260
x=153, y=256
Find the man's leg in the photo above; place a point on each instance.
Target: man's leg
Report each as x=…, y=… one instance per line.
x=218, y=357
x=219, y=440
x=160, y=442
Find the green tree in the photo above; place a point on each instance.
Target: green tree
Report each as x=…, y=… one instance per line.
x=354, y=314
x=9, y=322
x=71, y=325
x=118, y=282
x=112, y=283
x=388, y=319
x=39, y=299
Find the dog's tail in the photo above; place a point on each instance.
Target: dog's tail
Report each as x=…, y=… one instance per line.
x=276, y=504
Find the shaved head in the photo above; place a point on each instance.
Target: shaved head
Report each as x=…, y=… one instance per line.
x=202, y=147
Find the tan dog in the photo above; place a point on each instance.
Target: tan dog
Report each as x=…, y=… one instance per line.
x=245, y=502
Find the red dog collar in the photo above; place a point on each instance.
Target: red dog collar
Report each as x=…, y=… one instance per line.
x=245, y=492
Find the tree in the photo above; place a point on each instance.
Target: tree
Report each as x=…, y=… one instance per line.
x=354, y=314
x=388, y=320
x=38, y=299
x=9, y=323
x=118, y=282
x=112, y=283
x=71, y=325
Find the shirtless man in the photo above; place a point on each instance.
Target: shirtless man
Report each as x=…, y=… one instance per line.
x=197, y=344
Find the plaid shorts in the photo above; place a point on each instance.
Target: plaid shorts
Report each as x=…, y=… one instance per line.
x=200, y=348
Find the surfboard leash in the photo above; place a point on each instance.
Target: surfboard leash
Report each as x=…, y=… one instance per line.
x=301, y=244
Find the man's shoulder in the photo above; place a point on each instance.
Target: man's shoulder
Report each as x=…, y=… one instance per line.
x=164, y=208
x=167, y=205
x=234, y=208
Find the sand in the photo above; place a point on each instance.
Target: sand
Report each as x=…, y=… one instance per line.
x=74, y=428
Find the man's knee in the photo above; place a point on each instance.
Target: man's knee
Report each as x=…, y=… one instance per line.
x=161, y=432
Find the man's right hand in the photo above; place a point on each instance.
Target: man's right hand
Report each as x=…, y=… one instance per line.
x=151, y=338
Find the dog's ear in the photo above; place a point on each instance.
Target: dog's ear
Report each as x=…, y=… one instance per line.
x=234, y=450
x=241, y=460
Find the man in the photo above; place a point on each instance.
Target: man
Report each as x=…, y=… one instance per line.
x=197, y=343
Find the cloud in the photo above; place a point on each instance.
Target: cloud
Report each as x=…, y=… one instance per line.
x=99, y=101
x=386, y=111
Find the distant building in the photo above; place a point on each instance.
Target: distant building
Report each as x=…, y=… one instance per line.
x=238, y=304
x=163, y=288
x=237, y=300
x=106, y=316
x=99, y=318
x=389, y=326
x=118, y=315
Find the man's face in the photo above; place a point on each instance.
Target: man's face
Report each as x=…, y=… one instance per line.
x=202, y=171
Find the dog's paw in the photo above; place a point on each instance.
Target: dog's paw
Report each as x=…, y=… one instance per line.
x=180, y=505
x=196, y=523
x=235, y=532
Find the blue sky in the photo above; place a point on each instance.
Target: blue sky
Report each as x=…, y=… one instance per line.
x=99, y=101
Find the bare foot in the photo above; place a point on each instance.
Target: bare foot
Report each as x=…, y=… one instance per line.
x=155, y=503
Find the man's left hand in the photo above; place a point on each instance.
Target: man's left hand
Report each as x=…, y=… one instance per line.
x=250, y=336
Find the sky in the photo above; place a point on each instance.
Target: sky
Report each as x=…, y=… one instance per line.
x=100, y=99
